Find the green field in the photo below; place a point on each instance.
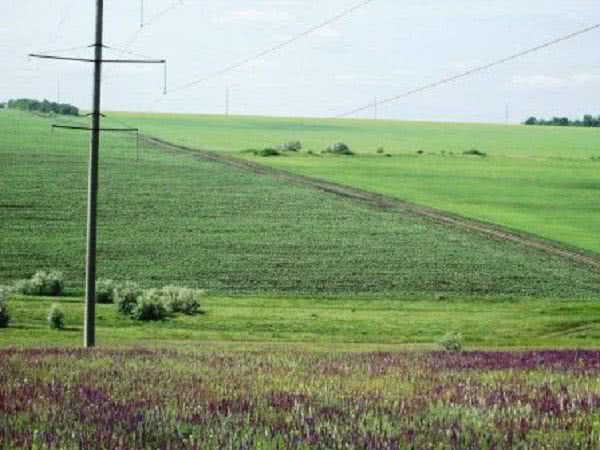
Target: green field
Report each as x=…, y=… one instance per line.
x=236, y=133
x=323, y=316
x=169, y=219
x=540, y=180
x=314, y=323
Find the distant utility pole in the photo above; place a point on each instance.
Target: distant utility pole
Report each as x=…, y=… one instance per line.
x=58, y=91
x=507, y=113
x=227, y=102
x=375, y=108
x=90, y=268
x=142, y=14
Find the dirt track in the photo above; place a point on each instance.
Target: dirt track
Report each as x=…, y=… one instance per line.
x=386, y=202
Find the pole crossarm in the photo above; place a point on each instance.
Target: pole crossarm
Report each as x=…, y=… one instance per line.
x=109, y=61
x=74, y=127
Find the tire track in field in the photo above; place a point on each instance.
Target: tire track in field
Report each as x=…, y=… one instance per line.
x=388, y=203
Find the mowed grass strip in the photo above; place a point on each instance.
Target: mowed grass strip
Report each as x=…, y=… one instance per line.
x=540, y=180
x=317, y=323
x=177, y=220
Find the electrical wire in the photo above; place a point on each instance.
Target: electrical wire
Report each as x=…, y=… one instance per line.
x=266, y=52
x=473, y=71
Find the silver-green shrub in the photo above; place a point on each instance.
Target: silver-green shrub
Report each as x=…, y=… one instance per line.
x=4, y=310
x=452, y=342
x=339, y=148
x=105, y=291
x=126, y=297
x=292, y=146
x=42, y=283
x=56, y=318
x=150, y=306
x=181, y=299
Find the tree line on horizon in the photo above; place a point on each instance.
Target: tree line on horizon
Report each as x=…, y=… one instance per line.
x=44, y=106
x=588, y=121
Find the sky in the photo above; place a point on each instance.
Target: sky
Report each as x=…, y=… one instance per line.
x=382, y=49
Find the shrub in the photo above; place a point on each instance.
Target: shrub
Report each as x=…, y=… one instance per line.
x=56, y=318
x=266, y=152
x=150, y=306
x=452, y=342
x=181, y=300
x=126, y=297
x=420, y=152
x=380, y=150
x=339, y=148
x=475, y=152
x=292, y=146
x=4, y=311
x=42, y=283
x=105, y=291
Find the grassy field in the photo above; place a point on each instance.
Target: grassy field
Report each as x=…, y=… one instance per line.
x=366, y=136
x=177, y=220
x=552, y=198
x=313, y=322
x=540, y=180
x=283, y=399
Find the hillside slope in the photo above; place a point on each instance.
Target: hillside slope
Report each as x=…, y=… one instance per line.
x=173, y=219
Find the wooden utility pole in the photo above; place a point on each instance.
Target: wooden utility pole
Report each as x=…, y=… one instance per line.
x=90, y=263
x=89, y=339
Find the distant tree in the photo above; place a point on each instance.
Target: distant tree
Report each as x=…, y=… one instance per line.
x=45, y=106
x=531, y=121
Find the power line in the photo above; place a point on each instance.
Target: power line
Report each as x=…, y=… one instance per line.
x=473, y=71
x=268, y=51
x=144, y=25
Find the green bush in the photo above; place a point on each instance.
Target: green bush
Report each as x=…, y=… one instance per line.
x=181, y=300
x=452, y=342
x=266, y=152
x=150, y=306
x=4, y=310
x=475, y=152
x=126, y=297
x=42, y=283
x=105, y=291
x=380, y=150
x=292, y=146
x=339, y=148
x=56, y=318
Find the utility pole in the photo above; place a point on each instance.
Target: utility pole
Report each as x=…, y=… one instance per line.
x=507, y=113
x=227, y=102
x=90, y=263
x=94, y=128
x=58, y=91
x=142, y=14
x=375, y=107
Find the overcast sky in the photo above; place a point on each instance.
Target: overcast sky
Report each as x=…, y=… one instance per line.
x=382, y=49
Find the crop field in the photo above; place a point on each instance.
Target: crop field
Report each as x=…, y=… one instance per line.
x=207, y=399
x=168, y=219
x=539, y=180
